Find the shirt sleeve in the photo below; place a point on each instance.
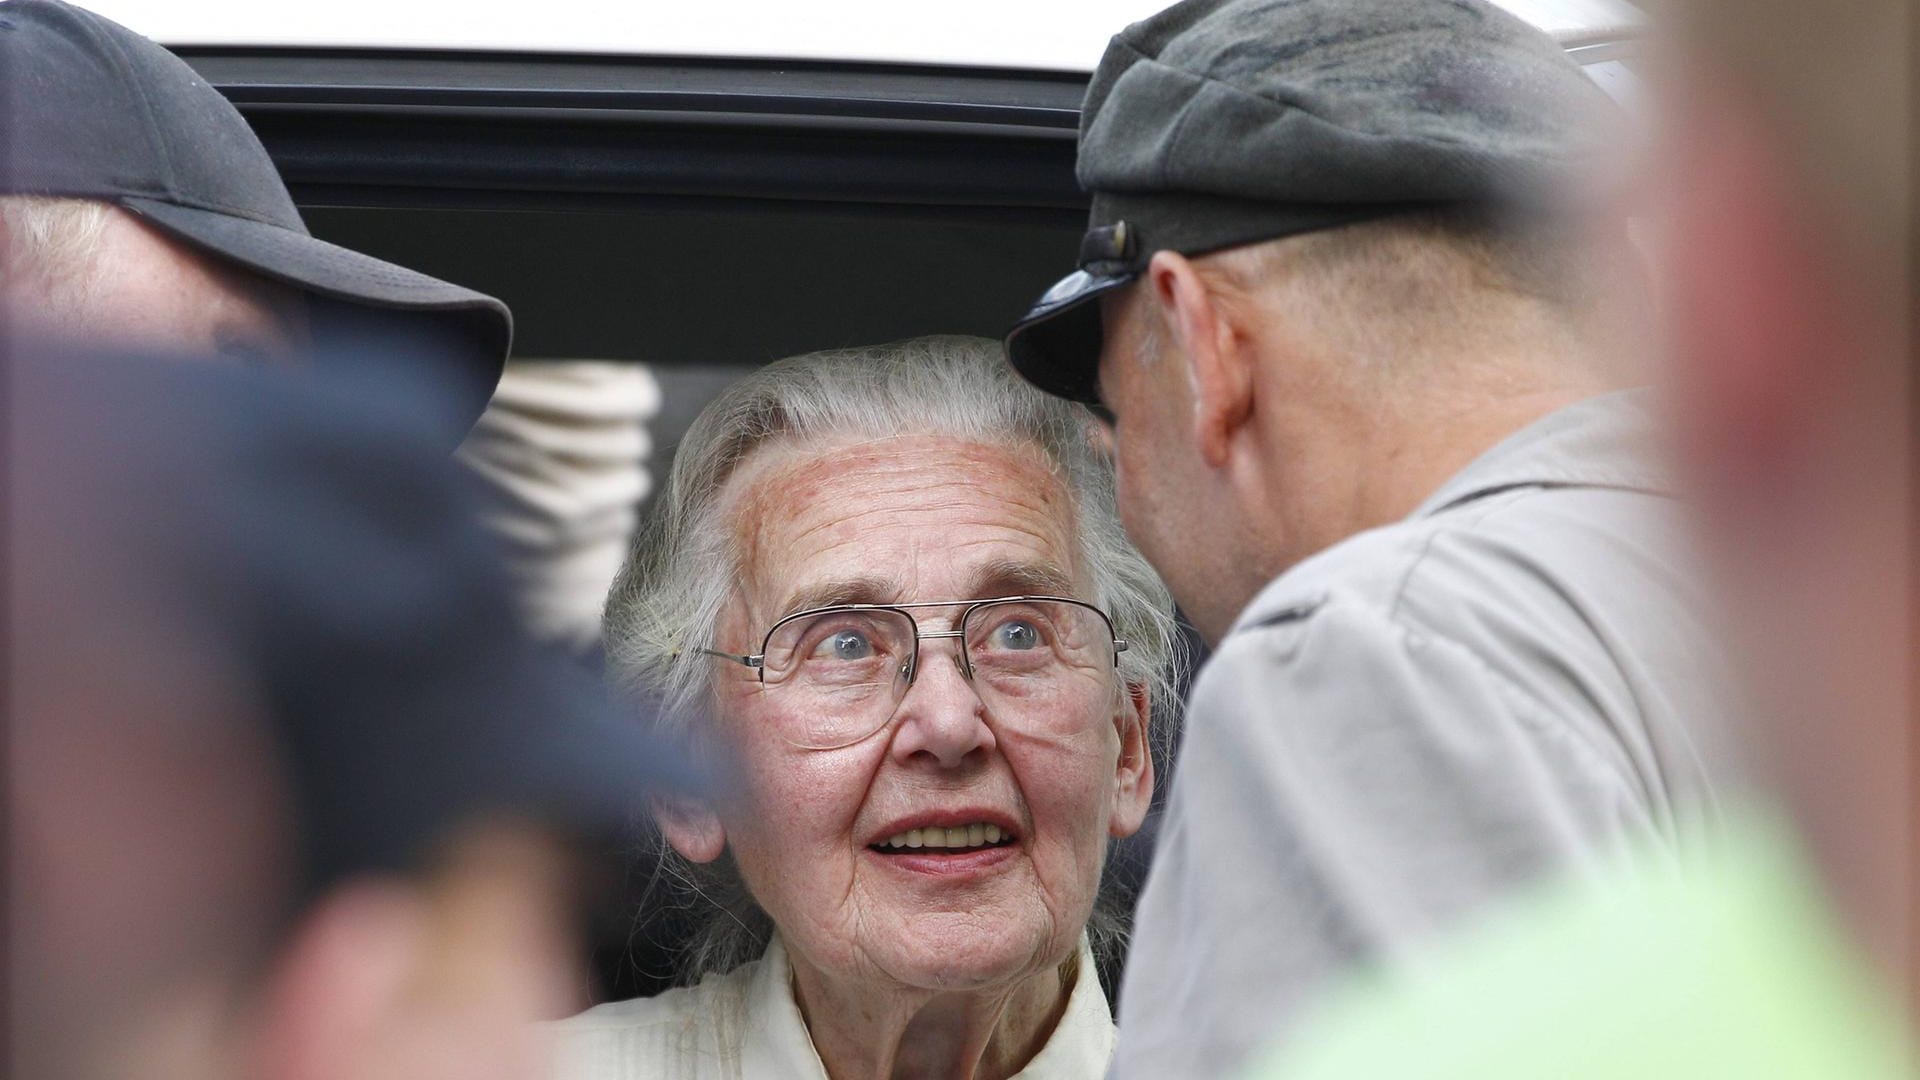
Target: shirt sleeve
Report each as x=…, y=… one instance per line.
x=1347, y=786
x=561, y=453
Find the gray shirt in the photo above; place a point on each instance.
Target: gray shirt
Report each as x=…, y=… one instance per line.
x=1415, y=722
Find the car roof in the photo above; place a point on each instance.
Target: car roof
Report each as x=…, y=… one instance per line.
x=1047, y=35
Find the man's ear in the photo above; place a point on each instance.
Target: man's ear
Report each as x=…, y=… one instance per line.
x=1133, y=776
x=1207, y=334
x=691, y=826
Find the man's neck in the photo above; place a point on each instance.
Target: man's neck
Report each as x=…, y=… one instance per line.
x=1376, y=465
x=1418, y=457
x=1338, y=444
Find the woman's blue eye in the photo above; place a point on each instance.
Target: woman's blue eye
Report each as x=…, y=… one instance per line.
x=1016, y=635
x=845, y=645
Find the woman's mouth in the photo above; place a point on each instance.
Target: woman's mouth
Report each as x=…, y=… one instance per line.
x=934, y=839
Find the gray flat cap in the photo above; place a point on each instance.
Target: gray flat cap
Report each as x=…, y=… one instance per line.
x=1218, y=123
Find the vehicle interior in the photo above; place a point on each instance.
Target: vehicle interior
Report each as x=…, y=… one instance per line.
x=701, y=216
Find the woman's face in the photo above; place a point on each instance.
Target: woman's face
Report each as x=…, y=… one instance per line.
x=900, y=521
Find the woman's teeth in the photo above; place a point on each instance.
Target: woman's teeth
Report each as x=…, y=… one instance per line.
x=961, y=837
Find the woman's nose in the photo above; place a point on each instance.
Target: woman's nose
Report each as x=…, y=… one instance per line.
x=941, y=715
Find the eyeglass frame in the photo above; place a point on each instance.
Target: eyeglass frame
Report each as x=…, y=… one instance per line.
x=758, y=661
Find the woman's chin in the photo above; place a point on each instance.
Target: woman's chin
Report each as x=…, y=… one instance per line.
x=959, y=952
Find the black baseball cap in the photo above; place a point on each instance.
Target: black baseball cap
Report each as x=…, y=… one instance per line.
x=1218, y=123
x=99, y=112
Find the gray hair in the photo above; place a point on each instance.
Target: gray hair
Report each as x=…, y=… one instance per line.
x=52, y=241
x=681, y=570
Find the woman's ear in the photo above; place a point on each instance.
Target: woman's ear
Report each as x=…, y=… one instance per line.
x=1209, y=339
x=1133, y=775
x=690, y=825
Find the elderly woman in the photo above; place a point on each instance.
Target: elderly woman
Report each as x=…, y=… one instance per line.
x=886, y=591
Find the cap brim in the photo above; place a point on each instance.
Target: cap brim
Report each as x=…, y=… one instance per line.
x=481, y=326
x=1056, y=345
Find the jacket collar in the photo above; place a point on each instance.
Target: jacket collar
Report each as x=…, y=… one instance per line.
x=1609, y=441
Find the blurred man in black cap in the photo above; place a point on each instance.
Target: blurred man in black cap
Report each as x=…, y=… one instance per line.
x=1356, y=296
x=137, y=207
x=289, y=793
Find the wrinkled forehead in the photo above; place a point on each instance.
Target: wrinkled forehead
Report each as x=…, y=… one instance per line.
x=900, y=519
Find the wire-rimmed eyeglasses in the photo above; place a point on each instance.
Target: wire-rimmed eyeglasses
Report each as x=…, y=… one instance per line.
x=843, y=669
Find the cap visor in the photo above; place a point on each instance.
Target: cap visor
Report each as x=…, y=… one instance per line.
x=482, y=324
x=1056, y=345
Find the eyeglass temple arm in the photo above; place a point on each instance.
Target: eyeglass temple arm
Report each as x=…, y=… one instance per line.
x=755, y=660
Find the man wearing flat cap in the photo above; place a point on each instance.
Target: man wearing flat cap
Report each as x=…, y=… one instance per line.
x=1365, y=325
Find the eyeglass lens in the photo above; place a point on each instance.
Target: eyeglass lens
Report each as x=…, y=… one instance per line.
x=841, y=673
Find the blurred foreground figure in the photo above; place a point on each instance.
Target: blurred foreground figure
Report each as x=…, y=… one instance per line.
x=1786, y=953
x=289, y=794
x=1370, y=332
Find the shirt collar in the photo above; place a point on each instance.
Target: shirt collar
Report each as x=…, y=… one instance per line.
x=1607, y=441
x=777, y=1043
